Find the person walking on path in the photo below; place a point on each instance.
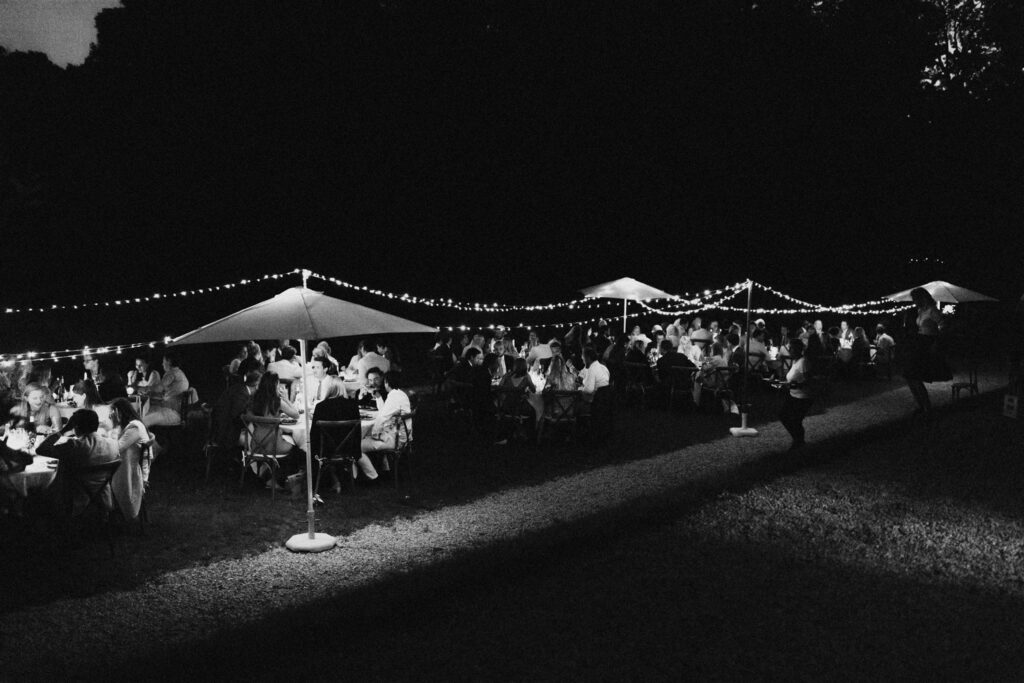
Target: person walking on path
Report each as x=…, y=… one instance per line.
x=926, y=363
x=798, y=396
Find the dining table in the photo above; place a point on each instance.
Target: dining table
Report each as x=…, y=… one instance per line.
x=37, y=475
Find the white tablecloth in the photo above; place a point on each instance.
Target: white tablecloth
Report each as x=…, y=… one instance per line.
x=39, y=475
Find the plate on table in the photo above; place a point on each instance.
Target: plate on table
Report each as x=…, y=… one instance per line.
x=289, y=421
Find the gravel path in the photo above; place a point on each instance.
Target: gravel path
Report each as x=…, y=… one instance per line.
x=191, y=604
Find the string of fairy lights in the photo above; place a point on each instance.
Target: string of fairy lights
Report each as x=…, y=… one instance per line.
x=690, y=304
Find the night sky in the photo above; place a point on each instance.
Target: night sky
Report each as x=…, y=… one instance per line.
x=501, y=151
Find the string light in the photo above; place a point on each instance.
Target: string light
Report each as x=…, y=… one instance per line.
x=146, y=299
x=695, y=303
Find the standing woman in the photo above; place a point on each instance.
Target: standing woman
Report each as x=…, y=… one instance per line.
x=798, y=397
x=926, y=363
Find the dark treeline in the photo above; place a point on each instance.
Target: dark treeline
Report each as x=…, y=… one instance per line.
x=494, y=150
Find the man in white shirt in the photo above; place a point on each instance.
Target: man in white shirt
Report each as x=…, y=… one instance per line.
x=287, y=368
x=370, y=359
x=883, y=345
x=594, y=377
x=477, y=342
x=317, y=383
x=508, y=344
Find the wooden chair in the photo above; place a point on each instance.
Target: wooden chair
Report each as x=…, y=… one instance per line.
x=402, y=449
x=462, y=402
x=262, y=449
x=94, y=482
x=679, y=380
x=637, y=380
x=559, y=409
x=339, y=443
x=175, y=434
x=970, y=384
x=511, y=409
x=600, y=421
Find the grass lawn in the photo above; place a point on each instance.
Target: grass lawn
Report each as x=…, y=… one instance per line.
x=893, y=552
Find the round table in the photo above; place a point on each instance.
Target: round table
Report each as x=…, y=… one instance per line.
x=36, y=476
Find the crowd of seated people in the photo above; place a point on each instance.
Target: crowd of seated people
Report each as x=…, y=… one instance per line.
x=707, y=348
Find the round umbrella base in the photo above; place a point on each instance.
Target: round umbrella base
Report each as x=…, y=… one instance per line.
x=302, y=543
x=743, y=431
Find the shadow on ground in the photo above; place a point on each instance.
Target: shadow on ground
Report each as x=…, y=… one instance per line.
x=627, y=594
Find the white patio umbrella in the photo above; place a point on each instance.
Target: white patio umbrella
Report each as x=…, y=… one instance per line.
x=625, y=288
x=944, y=293
x=303, y=314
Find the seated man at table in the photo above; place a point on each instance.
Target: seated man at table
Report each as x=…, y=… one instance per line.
x=671, y=358
x=384, y=434
x=287, y=366
x=371, y=394
x=316, y=384
x=337, y=407
x=884, y=344
x=165, y=395
x=84, y=449
x=232, y=404
x=594, y=376
x=369, y=358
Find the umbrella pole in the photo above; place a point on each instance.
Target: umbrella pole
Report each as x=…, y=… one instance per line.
x=310, y=542
x=625, y=302
x=743, y=429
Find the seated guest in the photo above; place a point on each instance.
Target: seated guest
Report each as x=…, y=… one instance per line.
x=38, y=409
x=442, y=356
x=252, y=361
x=505, y=358
x=142, y=376
x=595, y=376
x=671, y=358
x=337, y=407
x=518, y=377
x=845, y=333
x=316, y=383
x=508, y=344
x=691, y=351
x=286, y=367
x=132, y=438
x=538, y=351
x=860, y=346
x=267, y=402
x=110, y=383
x=86, y=395
x=615, y=355
x=384, y=433
x=243, y=353
x=369, y=358
x=493, y=366
x=323, y=350
x=832, y=341
x=559, y=376
x=636, y=353
x=476, y=343
x=390, y=352
x=165, y=395
x=371, y=394
x=884, y=345
x=86, y=448
x=471, y=370
x=758, y=352
x=532, y=341
x=783, y=341
x=231, y=405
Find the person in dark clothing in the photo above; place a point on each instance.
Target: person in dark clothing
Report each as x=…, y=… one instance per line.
x=338, y=407
x=232, y=404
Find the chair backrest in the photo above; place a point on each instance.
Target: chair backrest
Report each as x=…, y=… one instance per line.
x=92, y=480
x=509, y=401
x=680, y=376
x=403, y=428
x=560, y=406
x=636, y=373
x=339, y=439
x=261, y=441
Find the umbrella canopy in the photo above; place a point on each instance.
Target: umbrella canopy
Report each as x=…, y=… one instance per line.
x=300, y=313
x=944, y=293
x=625, y=288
